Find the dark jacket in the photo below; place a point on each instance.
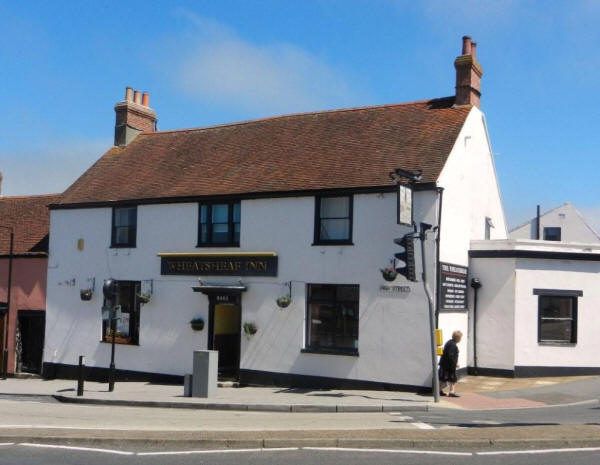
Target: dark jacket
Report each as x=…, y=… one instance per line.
x=449, y=358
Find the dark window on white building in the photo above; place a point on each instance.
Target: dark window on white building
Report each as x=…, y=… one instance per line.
x=124, y=227
x=333, y=220
x=552, y=234
x=332, y=318
x=557, y=315
x=219, y=225
x=127, y=312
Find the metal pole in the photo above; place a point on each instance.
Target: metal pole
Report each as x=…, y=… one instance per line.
x=7, y=318
x=111, y=370
x=80, y=375
x=434, y=378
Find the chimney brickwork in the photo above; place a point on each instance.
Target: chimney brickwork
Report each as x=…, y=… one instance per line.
x=133, y=115
x=468, y=75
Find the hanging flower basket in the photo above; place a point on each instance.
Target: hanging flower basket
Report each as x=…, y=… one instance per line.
x=389, y=273
x=144, y=297
x=197, y=324
x=250, y=328
x=86, y=294
x=283, y=301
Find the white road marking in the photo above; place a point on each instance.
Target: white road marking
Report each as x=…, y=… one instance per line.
x=85, y=449
x=422, y=425
x=7, y=443
x=540, y=451
x=390, y=451
x=218, y=451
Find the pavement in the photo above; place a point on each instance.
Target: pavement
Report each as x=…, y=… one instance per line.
x=304, y=416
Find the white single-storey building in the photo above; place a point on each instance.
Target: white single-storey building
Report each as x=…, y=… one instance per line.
x=215, y=224
x=535, y=312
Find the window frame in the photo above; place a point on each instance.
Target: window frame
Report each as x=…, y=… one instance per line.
x=317, y=232
x=133, y=323
x=308, y=348
x=131, y=243
x=231, y=242
x=554, y=228
x=571, y=294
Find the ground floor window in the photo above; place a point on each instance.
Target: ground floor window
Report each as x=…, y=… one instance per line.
x=127, y=324
x=557, y=315
x=332, y=317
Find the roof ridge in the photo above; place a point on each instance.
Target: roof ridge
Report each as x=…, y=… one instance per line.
x=21, y=197
x=292, y=115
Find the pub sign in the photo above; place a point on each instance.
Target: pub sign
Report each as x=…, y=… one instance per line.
x=215, y=264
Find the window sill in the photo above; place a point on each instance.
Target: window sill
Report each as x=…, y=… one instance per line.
x=332, y=243
x=329, y=352
x=214, y=246
x=120, y=341
x=557, y=343
x=122, y=246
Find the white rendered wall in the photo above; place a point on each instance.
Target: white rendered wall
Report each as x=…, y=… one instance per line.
x=564, y=275
x=393, y=329
x=471, y=193
x=495, y=313
x=573, y=226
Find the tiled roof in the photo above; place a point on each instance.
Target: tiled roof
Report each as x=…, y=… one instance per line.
x=29, y=217
x=352, y=148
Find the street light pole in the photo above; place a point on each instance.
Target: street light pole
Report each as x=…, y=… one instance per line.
x=6, y=319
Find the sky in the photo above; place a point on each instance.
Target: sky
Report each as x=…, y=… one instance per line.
x=64, y=65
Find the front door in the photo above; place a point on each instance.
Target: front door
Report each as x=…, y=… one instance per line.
x=30, y=348
x=224, y=332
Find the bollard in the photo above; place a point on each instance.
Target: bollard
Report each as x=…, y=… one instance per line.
x=80, y=375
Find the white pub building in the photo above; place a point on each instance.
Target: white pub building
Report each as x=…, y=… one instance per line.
x=265, y=240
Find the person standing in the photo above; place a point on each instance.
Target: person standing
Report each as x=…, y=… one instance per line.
x=449, y=363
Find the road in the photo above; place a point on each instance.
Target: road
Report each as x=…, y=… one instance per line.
x=30, y=454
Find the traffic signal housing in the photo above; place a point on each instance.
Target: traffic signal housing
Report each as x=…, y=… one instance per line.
x=407, y=257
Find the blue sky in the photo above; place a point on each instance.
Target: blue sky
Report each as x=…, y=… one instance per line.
x=65, y=64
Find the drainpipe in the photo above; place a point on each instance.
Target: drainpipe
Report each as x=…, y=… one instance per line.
x=476, y=285
x=440, y=192
x=537, y=222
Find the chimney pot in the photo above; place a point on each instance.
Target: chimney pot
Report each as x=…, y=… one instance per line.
x=466, y=46
x=468, y=75
x=133, y=116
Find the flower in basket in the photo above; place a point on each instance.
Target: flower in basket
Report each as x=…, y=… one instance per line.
x=283, y=301
x=389, y=273
x=86, y=294
x=144, y=297
x=197, y=324
x=250, y=328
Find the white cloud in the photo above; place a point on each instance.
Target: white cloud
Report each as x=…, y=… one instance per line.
x=221, y=68
x=50, y=169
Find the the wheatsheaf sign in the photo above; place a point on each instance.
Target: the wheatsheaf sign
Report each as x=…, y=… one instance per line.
x=242, y=264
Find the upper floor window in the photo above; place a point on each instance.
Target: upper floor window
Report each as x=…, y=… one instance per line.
x=219, y=224
x=552, y=234
x=333, y=220
x=124, y=227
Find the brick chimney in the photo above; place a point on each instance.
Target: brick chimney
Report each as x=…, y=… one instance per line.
x=468, y=75
x=133, y=115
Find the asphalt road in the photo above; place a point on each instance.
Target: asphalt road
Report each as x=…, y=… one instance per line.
x=34, y=455
x=584, y=414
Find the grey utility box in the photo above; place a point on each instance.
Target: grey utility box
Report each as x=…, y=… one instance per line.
x=204, y=378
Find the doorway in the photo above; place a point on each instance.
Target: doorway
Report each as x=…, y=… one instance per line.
x=224, y=332
x=30, y=340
